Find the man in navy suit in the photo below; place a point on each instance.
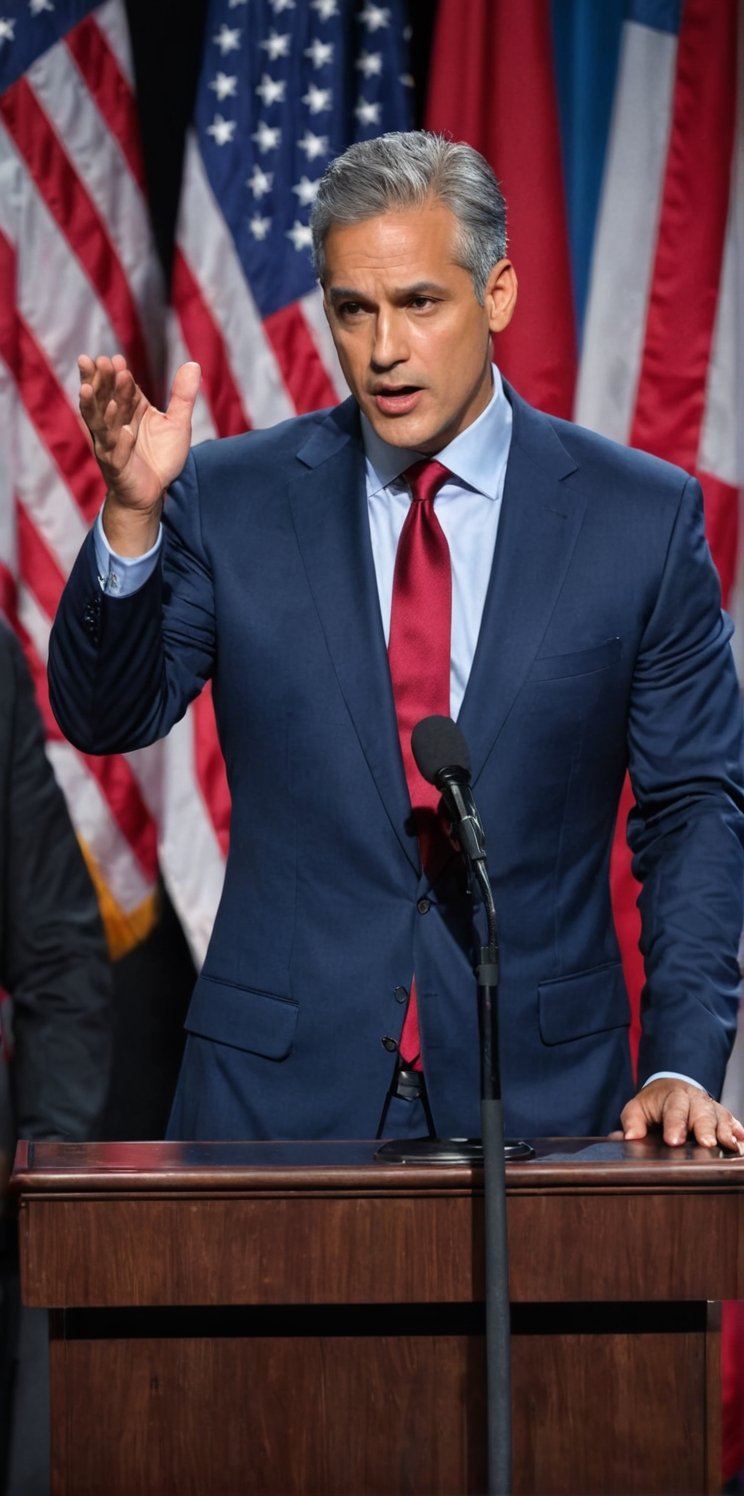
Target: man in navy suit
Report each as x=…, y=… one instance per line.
x=587, y=638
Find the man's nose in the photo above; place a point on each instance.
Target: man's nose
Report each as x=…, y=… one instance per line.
x=390, y=345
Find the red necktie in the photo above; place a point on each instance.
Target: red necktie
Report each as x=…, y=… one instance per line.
x=419, y=654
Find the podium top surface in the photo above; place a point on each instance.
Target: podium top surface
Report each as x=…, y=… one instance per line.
x=560, y=1163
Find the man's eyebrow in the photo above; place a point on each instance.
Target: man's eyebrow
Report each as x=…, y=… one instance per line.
x=400, y=293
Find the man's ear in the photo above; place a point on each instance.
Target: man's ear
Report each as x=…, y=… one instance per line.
x=501, y=295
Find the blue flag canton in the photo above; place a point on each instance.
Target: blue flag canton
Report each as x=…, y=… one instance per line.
x=285, y=86
x=28, y=28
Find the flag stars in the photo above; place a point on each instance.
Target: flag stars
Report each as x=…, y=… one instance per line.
x=300, y=234
x=369, y=63
x=279, y=5
x=367, y=113
x=276, y=45
x=326, y=9
x=318, y=100
x=313, y=145
x=271, y=90
x=7, y=28
x=267, y=137
x=233, y=4
x=37, y=6
x=374, y=16
x=259, y=226
x=227, y=39
x=307, y=191
x=222, y=130
x=260, y=182
x=225, y=87
x=320, y=53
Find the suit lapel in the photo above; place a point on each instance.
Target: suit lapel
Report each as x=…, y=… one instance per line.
x=329, y=513
x=540, y=520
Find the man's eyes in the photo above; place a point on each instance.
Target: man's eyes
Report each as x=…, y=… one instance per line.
x=351, y=309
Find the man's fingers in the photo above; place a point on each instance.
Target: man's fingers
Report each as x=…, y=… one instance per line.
x=633, y=1120
x=713, y=1123
x=678, y=1112
x=184, y=391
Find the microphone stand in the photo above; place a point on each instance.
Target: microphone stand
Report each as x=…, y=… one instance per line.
x=493, y=1151
x=498, y=1330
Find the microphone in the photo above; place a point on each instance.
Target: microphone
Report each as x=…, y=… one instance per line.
x=443, y=758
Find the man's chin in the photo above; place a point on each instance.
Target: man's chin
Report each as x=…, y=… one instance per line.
x=405, y=430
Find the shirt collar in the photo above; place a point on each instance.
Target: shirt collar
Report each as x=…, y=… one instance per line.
x=476, y=457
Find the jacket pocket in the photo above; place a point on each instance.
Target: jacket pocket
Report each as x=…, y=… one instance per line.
x=584, y=662
x=589, y=1002
x=258, y=1022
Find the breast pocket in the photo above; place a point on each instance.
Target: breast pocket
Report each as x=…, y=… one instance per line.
x=581, y=662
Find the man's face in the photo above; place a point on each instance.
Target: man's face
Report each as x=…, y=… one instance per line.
x=414, y=344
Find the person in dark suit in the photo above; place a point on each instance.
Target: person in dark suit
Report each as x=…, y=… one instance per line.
x=586, y=638
x=53, y=960
x=56, y=1020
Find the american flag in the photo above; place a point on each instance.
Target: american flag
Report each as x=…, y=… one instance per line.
x=77, y=273
x=617, y=131
x=285, y=85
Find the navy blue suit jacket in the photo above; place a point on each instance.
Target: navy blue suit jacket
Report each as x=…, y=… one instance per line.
x=602, y=647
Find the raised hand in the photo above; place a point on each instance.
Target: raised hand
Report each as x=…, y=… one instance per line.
x=139, y=449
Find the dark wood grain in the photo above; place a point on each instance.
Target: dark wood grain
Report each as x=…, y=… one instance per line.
x=275, y=1318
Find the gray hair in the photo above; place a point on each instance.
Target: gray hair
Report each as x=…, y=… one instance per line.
x=402, y=170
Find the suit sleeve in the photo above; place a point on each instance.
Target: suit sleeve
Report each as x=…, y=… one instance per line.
x=122, y=671
x=686, y=830
x=54, y=961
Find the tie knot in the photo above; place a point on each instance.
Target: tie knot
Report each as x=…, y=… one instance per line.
x=425, y=477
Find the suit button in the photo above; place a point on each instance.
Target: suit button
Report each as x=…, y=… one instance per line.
x=401, y=994
x=389, y=1044
x=423, y=906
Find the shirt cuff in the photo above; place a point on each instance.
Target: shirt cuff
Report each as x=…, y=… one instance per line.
x=672, y=1075
x=120, y=576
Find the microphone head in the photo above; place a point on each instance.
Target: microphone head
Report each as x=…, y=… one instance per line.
x=438, y=744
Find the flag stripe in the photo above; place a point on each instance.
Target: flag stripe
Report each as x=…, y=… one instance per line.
x=304, y=376
x=77, y=270
x=72, y=207
x=47, y=500
x=194, y=878
x=626, y=231
x=37, y=566
x=109, y=848
x=57, y=425
x=205, y=242
x=210, y=768
x=8, y=312
x=517, y=130
x=315, y=317
x=108, y=86
x=112, y=775
x=96, y=157
x=62, y=325
x=682, y=306
x=204, y=342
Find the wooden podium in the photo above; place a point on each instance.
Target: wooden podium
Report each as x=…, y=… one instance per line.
x=292, y=1318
